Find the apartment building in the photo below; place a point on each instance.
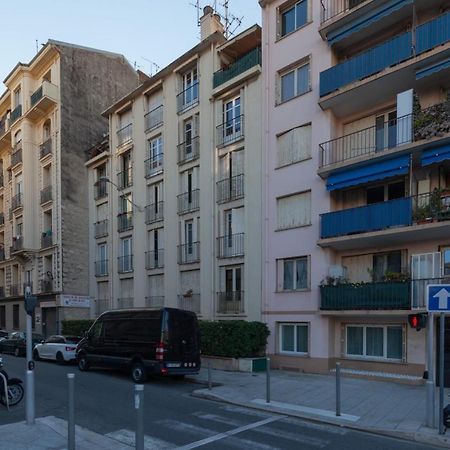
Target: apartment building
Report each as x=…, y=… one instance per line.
x=357, y=161
x=49, y=113
x=176, y=192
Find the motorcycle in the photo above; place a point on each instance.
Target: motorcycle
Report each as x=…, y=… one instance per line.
x=11, y=389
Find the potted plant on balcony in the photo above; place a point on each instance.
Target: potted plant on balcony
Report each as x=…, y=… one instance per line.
x=422, y=214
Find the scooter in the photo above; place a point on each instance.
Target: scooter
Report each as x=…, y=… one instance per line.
x=12, y=386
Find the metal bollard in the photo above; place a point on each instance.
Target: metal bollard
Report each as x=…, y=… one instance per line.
x=338, y=389
x=209, y=375
x=267, y=380
x=139, y=407
x=71, y=412
x=29, y=392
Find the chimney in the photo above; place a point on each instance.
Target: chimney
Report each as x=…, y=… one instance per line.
x=209, y=23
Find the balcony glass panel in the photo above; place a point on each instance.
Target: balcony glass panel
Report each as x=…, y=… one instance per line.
x=231, y=246
x=189, y=302
x=231, y=302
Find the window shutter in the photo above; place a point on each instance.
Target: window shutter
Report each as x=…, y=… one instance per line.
x=294, y=210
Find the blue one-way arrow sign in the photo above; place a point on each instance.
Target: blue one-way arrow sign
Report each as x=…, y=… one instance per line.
x=439, y=297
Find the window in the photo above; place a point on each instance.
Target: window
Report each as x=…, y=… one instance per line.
x=294, y=145
x=102, y=261
x=375, y=341
x=155, y=147
x=3, y=316
x=294, y=211
x=294, y=17
x=385, y=263
x=16, y=320
x=295, y=82
x=232, y=119
x=293, y=274
x=126, y=259
x=445, y=261
x=190, y=87
x=294, y=338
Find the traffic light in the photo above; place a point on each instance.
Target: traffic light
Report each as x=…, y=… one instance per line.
x=417, y=321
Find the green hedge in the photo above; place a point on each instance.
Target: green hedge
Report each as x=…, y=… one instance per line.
x=75, y=327
x=234, y=338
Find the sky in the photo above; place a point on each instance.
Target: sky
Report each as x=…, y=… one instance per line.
x=147, y=32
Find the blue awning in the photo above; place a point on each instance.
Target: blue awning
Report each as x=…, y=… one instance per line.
x=368, y=19
x=376, y=171
x=434, y=68
x=435, y=155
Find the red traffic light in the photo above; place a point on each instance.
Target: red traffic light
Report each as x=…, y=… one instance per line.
x=417, y=321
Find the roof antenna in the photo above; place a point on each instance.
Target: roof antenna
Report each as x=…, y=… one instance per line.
x=153, y=65
x=37, y=46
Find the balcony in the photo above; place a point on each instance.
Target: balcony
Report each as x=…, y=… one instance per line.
x=101, y=228
x=241, y=65
x=189, y=201
x=154, y=212
x=124, y=221
x=102, y=305
x=101, y=189
x=14, y=290
x=189, y=302
x=154, y=165
x=154, y=259
x=42, y=100
x=188, y=98
x=231, y=302
x=399, y=133
x=125, y=178
x=387, y=295
x=409, y=48
x=189, y=253
x=125, y=303
x=154, y=118
x=125, y=264
x=46, y=195
x=45, y=148
x=16, y=113
x=46, y=286
x=230, y=246
x=101, y=268
x=154, y=301
x=125, y=135
x=189, y=150
x=17, y=201
x=230, y=131
x=16, y=155
x=230, y=189
x=47, y=239
x=399, y=220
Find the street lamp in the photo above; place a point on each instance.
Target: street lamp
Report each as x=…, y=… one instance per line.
x=107, y=180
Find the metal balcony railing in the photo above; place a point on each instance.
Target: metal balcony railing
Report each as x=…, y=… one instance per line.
x=154, y=118
x=125, y=263
x=125, y=303
x=189, y=302
x=231, y=246
x=16, y=156
x=154, y=165
x=46, y=286
x=15, y=114
x=46, y=194
x=188, y=97
x=101, y=189
x=419, y=290
x=154, y=301
x=125, y=178
x=189, y=253
x=154, y=259
x=189, y=201
x=102, y=305
x=17, y=201
x=189, y=150
x=154, y=212
x=17, y=245
x=14, y=290
x=230, y=131
x=230, y=302
x=124, y=221
x=47, y=239
x=332, y=8
x=101, y=268
x=36, y=95
x=230, y=189
x=101, y=228
x=125, y=135
x=45, y=148
x=234, y=69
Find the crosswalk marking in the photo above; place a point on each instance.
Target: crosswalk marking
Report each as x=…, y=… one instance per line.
x=127, y=437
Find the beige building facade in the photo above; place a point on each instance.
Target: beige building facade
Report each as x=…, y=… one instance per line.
x=49, y=113
x=175, y=197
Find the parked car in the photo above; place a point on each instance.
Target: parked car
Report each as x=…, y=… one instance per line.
x=143, y=341
x=3, y=335
x=16, y=343
x=57, y=347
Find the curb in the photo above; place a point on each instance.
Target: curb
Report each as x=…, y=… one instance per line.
x=421, y=438
x=203, y=382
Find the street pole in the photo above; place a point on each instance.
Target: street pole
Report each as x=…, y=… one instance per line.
x=338, y=389
x=139, y=406
x=441, y=372
x=430, y=387
x=209, y=375
x=71, y=412
x=30, y=407
x=267, y=380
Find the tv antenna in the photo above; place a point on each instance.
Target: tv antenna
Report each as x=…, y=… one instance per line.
x=153, y=65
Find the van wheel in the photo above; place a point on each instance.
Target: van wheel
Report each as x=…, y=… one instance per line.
x=138, y=372
x=83, y=363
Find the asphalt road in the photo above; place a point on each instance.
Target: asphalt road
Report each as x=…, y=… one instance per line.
x=174, y=419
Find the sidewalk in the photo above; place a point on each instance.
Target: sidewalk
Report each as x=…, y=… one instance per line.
x=50, y=433
x=378, y=406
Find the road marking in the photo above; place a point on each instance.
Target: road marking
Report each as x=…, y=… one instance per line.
x=127, y=437
x=220, y=436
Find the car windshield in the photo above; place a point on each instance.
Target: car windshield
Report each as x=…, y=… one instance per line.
x=37, y=337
